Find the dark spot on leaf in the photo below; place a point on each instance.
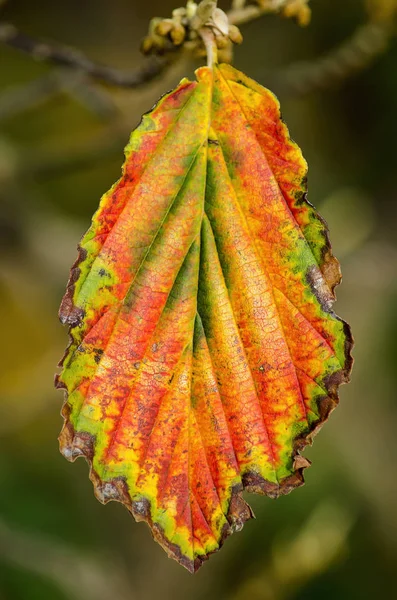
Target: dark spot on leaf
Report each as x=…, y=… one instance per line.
x=241, y=82
x=103, y=273
x=97, y=354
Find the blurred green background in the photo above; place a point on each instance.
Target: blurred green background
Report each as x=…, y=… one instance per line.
x=61, y=147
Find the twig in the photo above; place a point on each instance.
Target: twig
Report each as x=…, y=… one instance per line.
x=67, y=57
x=183, y=29
x=210, y=46
x=240, y=14
x=238, y=4
x=352, y=56
x=95, y=98
x=20, y=98
x=64, y=56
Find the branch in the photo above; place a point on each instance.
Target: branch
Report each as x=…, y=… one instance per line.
x=185, y=26
x=176, y=31
x=67, y=57
x=352, y=56
x=242, y=13
x=167, y=36
x=27, y=96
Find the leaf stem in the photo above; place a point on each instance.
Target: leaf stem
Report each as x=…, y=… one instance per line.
x=208, y=38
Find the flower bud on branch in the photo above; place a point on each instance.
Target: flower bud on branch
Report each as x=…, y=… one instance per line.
x=183, y=28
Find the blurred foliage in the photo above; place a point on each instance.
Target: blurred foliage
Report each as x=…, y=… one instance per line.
x=61, y=146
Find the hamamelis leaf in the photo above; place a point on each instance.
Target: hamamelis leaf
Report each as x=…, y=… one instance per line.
x=204, y=351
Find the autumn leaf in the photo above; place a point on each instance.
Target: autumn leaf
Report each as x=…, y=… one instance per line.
x=204, y=351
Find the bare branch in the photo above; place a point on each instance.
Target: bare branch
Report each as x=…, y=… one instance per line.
x=19, y=98
x=352, y=56
x=165, y=37
x=183, y=28
x=242, y=13
x=28, y=96
x=67, y=57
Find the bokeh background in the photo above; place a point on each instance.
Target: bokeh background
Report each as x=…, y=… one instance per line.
x=61, y=146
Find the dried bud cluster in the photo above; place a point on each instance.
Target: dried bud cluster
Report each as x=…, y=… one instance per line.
x=187, y=24
x=184, y=28
x=297, y=9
